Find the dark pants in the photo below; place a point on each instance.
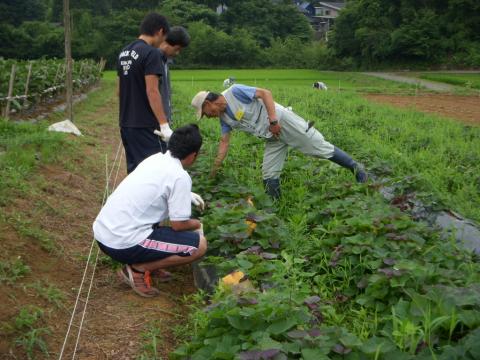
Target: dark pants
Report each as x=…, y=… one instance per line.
x=140, y=143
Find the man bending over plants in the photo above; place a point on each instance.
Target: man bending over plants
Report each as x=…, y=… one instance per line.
x=254, y=111
x=128, y=226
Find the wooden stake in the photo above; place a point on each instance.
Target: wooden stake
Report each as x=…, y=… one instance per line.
x=56, y=74
x=27, y=83
x=68, y=59
x=10, y=91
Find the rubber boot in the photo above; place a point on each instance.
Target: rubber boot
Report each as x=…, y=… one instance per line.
x=272, y=188
x=343, y=159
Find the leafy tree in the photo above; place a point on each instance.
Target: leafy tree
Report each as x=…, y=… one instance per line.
x=16, y=11
x=184, y=12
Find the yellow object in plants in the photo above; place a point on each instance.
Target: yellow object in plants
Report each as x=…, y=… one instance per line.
x=233, y=278
x=251, y=227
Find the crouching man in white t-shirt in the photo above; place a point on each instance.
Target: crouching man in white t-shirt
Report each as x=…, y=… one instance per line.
x=158, y=189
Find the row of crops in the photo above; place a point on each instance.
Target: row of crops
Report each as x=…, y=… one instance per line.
x=26, y=83
x=334, y=271
x=358, y=279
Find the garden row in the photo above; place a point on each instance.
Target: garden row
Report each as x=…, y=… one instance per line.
x=333, y=271
x=24, y=83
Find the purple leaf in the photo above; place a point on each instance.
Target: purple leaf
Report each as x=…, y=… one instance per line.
x=340, y=349
x=259, y=354
x=297, y=334
x=250, y=355
x=245, y=301
x=389, y=261
x=314, y=332
x=254, y=218
x=389, y=273
x=254, y=250
x=275, y=244
x=269, y=354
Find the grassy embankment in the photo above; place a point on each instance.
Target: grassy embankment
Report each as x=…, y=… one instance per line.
x=49, y=185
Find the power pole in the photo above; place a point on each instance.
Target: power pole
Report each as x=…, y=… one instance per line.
x=68, y=59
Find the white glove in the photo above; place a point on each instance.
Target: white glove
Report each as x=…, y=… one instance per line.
x=165, y=132
x=197, y=201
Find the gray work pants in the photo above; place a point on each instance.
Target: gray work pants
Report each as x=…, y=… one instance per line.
x=293, y=134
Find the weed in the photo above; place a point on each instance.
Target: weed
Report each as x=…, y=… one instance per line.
x=27, y=228
x=50, y=293
x=152, y=337
x=30, y=336
x=10, y=272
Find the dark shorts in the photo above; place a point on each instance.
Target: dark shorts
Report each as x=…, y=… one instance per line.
x=160, y=244
x=140, y=143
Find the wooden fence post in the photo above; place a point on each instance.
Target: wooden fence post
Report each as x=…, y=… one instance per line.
x=27, y=83
x=68, y=59
x=10, y=91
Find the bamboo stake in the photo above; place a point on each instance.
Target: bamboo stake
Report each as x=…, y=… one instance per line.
x=68, y=59
x=27, y=83
x=10, y=91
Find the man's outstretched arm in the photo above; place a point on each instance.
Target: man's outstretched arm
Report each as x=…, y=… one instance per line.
x=221, y=153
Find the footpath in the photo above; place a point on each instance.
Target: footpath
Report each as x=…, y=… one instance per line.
x=430, y=85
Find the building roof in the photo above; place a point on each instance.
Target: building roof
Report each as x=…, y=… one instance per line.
x=333, y=5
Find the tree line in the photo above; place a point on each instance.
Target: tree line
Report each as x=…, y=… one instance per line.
x=254, y=33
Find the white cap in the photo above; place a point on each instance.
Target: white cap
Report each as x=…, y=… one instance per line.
x=197, y=103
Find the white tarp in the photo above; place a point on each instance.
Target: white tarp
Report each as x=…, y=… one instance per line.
x=65, y=126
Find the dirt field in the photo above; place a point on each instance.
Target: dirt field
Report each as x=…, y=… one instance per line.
x=463, y=108
x=64, y=200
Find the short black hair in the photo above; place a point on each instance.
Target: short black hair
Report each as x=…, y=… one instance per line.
x=152, y=23
x=178, y=35
x=211, y=96
x=184, y=141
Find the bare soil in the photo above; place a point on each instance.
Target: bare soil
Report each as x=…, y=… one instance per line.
x=62, y=202
x=462, y=108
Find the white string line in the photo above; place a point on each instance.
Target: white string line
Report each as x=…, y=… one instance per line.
x=89, y=256
x=96, y=257
x=86, y=304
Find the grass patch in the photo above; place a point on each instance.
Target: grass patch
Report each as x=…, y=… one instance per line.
x=467, y=80
x=23, y=147
x=336, y=81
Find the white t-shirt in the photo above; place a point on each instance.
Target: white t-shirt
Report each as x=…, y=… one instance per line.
x=158, y=189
